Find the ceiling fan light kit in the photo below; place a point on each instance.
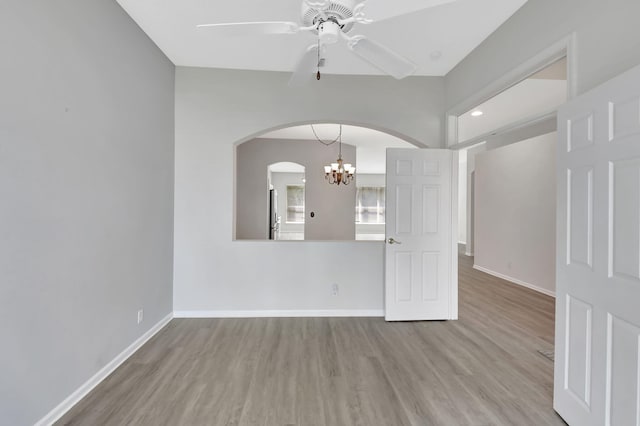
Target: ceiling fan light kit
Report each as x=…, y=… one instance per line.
x=329, y=32
x=330, y=21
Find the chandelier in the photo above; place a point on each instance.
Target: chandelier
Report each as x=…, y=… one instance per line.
x=339, y=172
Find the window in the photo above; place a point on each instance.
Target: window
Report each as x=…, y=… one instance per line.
x=370, y=205
x=295, y=203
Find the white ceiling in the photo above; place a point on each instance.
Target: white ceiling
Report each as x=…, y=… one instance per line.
x=453, y=30
x=371, y=145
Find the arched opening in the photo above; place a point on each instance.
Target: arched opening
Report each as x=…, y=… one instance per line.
x=286, y=182
x=329, y=212
x=297, y=125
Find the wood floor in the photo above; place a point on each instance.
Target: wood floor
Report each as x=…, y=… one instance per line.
x=481, y=370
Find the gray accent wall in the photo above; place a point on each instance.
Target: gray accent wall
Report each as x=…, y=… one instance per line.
x=607, y=42
x=333, y=206
x=86, y=190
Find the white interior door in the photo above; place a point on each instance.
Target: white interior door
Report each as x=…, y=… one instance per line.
x=421, y=261
x=597, y=371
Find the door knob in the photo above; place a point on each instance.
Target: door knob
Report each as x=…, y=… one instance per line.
x=392, y=241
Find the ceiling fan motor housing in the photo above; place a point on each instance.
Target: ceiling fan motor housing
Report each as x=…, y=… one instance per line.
x=329, y=32
x=337, y=9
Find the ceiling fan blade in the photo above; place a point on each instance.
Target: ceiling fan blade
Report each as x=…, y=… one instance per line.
x=306, y=67
x=379, y=10
x=251, y=28
x=382, y=57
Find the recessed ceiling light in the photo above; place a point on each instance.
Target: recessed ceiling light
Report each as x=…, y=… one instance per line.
x=477, y=113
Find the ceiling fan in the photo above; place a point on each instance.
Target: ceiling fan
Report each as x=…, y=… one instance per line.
x=331, y=21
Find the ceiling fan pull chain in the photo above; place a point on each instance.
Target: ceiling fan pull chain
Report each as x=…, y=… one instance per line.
x=318, y=75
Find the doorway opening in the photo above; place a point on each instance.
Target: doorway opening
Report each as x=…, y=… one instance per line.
x=286, y=181
x=508, y=144
x=508, y=166
x=507, y=179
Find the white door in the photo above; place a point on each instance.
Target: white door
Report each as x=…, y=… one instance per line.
x=421, y=261
x=597, y=370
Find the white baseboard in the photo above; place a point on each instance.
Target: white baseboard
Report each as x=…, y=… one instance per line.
x=280, y=314
x=94, y=381
x=516, y=281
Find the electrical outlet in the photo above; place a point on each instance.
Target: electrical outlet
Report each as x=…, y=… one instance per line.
x=140, y=315
x=335, y=289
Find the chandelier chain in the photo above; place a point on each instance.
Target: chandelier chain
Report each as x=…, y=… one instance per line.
x=338, y=138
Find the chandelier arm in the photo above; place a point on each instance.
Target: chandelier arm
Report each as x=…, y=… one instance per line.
x=330, y=178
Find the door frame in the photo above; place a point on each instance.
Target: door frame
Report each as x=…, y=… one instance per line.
x=563, y=48
x=522, y=129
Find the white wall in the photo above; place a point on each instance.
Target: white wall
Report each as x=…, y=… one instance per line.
x=607, y=42
x=86, y=183
x=515, y=200
x=216, y=109
x=329, y=223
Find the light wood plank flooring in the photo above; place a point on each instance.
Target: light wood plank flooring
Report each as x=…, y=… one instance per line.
x=481, y=370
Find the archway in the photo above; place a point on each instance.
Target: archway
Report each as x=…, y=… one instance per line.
x=286, y=184
x=332, y=212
